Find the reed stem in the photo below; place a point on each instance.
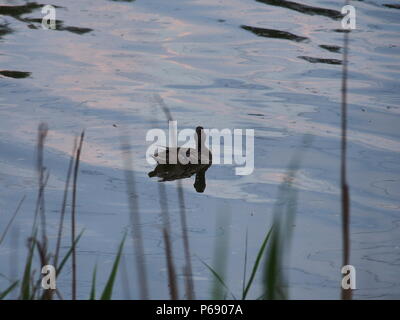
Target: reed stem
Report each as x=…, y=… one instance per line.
x=73, y=215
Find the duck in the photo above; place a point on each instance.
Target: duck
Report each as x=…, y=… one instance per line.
x=189, y=161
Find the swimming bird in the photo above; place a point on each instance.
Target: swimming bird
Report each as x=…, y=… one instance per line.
x=184, y=162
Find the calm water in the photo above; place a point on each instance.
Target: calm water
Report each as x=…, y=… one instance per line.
x=271, y=66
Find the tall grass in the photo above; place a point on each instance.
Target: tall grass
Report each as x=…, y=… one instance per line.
x=38, y=247
x=3, y=235
x=64, y=206
x=166, y=232
x=275, y=244
x=73, y=214
x=269, y=258
x=275, y=282
x=135, y=221
x=345, y=194
x=188, y=273
x=189, y=285
x=29, y=285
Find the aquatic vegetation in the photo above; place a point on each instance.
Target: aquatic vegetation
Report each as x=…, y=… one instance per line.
x=38, y=246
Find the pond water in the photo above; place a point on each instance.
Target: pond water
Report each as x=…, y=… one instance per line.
x=271, y=66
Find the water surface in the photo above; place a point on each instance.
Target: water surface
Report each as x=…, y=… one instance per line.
x=271, y=66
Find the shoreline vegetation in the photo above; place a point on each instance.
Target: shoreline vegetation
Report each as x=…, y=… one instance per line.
x=270, y=256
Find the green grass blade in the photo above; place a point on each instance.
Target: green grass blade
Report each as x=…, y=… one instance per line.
x=218, y=277
x=256, y=264
x=26, y=280
x=11, y=220
x=272, y=274
x=107, y=293
x=65, y=259
x=245, y=261
x=275, y=286
x=8, y=290
x=93, y=290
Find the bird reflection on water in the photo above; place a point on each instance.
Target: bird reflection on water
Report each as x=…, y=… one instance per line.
x=197, y=161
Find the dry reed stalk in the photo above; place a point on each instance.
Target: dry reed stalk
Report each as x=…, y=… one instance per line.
x=189, y=285
x=345, y=195
x=135, y=222
x=73, y=214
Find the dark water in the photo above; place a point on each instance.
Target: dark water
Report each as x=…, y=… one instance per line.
x=271, y=66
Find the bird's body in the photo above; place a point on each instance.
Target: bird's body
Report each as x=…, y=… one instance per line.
x=180, y=163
